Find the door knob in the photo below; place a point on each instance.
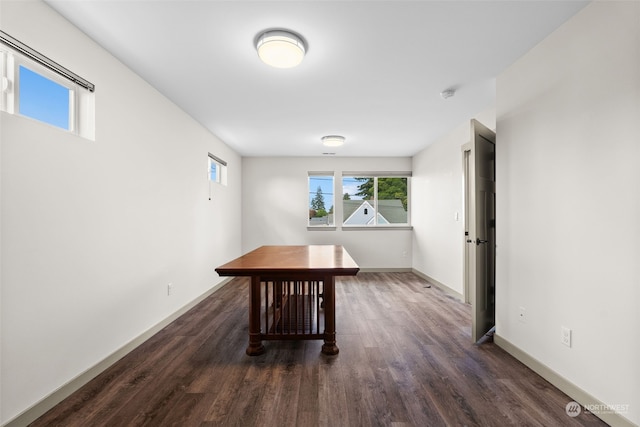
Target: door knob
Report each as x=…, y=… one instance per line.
x=478, y=241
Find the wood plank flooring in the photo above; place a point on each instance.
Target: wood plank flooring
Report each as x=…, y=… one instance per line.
x=405, y=360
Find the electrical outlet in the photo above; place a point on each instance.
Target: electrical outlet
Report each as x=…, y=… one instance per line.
x=565, y=338
x=169, y=289
x=522, y=318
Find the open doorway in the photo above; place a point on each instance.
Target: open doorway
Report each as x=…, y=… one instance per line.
x=478, y=157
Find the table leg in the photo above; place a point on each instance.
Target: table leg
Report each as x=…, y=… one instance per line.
x=329, y=347
x=255, y=347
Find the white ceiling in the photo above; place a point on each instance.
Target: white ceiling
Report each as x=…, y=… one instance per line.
x=373, y=72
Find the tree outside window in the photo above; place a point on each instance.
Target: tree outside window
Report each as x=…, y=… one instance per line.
x=321, y=200
x=373, y=200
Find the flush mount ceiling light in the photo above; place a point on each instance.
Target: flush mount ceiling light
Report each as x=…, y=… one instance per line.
x=333, y=140
x=280, y=48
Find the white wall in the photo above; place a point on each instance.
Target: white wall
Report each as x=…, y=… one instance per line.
x=437, y=192
x=568, y=196
x=275, y=208
x=92, y=232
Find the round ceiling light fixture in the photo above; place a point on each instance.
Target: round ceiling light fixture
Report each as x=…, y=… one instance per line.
x=280, y=48
x=333, y=140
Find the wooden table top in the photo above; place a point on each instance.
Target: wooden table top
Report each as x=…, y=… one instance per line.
x=265, y=260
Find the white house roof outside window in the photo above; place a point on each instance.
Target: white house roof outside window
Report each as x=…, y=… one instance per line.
x=361, y=212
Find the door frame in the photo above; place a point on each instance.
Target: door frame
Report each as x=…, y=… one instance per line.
x=469, y=219
x=470, y=248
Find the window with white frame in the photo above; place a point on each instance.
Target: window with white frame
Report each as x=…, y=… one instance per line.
x=36, y=87
x=376, y=199
x=217, y=170
x=321, y=200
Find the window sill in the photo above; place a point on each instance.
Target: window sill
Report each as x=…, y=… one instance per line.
x=359, y=227
x=376, y=227
x=321, y=228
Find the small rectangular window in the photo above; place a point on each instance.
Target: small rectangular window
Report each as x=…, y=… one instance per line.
x=217, y=170
x=34, y=86
x=375, y=200
x=321, y=200
x=214, y=170
x=43, y=99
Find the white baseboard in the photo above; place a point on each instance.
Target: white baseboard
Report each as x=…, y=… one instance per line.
x=385, y=270
x=40, y=408
x=442, y=286
x=567, y=387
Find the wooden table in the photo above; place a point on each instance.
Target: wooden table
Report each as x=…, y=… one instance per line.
x=292, y=292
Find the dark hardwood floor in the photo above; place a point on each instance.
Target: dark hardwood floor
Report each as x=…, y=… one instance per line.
x=405, y=360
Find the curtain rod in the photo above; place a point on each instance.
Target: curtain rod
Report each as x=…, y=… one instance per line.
x=218, y=159
x=43, y=60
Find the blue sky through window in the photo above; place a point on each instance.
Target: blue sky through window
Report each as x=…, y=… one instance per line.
x=326, y=184
x=213, y=171
x=43, y=99
x=350, y=185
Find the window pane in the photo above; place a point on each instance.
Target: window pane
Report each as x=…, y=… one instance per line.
x=358, y=205
x=213, y=170
x=320, y=200
x=392, y=201
x=43, y=99
x=217, y=170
